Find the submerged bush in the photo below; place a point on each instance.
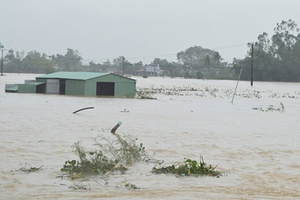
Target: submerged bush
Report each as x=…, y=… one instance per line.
x=124, y=149
x=190, y=167
x=90, y=163
x=110, y=157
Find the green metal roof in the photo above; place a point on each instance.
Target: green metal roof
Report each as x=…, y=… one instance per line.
x=12, y=89
x=73, y=75
x=36, y=83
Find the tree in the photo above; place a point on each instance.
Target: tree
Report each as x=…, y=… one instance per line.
x=198, y=57
x=34, y=62
x=71, y=61
x=207, y=61
x=278, y=58
x=217, y=58
x=121, y=64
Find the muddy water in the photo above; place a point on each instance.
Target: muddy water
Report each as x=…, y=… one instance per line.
x=254, y=140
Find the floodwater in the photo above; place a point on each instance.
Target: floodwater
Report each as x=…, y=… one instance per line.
x=255, y=141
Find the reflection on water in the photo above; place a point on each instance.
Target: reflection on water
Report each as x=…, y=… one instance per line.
x=258, y=151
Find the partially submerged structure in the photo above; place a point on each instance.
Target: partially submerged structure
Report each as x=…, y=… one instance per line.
x=78, y=83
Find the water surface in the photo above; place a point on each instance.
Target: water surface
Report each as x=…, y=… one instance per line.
x=258, y=150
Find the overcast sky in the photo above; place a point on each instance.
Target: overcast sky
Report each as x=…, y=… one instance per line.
x=140, y=30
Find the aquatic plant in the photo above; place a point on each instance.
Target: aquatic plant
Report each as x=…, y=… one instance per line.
x=90, y=163
x=27, y=168
x=188, y=168
x=144, y=94
x=110, y=157
x=271, y=108
x=124, y=149
x=131, y=186
x=80, y=186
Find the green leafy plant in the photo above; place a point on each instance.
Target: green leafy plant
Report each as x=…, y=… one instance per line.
x=131, y=186
x=90, y=163
x=189, y=167
x=110, y=157
x=124, y=149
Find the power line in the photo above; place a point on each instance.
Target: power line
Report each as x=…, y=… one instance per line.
x=160, y=55
x=231, y=46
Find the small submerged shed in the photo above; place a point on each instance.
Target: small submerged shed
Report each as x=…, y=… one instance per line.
x=81, y=84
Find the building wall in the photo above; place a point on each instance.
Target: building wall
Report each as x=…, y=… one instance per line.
x=26, y=88
x=123, y=87
x=75, y=87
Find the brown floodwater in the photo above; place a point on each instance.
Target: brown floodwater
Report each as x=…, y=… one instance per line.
x=255, y=141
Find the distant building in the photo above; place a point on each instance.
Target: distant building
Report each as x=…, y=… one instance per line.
x=152, y=70
x=78, y=83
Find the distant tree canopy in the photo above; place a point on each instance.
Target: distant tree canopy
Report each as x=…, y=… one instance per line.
x=71, y=61
x=276, y=58
x=198, y=57
x=33, y=62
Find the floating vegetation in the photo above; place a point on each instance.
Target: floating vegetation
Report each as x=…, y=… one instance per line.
x=131, y=186
x=27, y=168
x=188, y=168
x=271, y=108
x=125, y=110
x=144, y=94
x=110, y=157
x=80, y=186
x=90, y=163
x=206, y=91
x=124, y=149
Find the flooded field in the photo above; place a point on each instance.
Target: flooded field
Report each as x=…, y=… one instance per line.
x=255, y=141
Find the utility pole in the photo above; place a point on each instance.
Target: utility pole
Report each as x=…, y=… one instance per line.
x=252, y=50
x=1, y=46
x=122, y=65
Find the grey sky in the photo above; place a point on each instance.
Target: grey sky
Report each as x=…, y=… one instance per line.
x=140, y=30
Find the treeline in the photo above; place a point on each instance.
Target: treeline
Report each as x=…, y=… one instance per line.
x=275, y=59
x=191, y=62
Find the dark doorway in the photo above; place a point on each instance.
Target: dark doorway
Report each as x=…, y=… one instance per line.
x=105, y=89
x=62, y=86
x=41, y=88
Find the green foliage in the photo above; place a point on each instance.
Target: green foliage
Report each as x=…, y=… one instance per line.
x=110, y=157
x=190, y=167
x=276, y=58
x=71, y=61
x=198, y=57
x=90, y=163
x=131, y=186
x=124, y=149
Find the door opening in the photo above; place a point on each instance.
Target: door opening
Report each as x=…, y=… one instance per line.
x=105, y=89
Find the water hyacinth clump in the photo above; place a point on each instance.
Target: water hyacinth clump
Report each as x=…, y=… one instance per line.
x=111, y=156
x=90, y=163
x=188, y=168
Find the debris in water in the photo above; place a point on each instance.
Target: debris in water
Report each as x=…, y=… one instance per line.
x=83, y=109
x=113, y=130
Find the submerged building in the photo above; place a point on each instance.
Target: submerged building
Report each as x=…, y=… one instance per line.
x=79, y=84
